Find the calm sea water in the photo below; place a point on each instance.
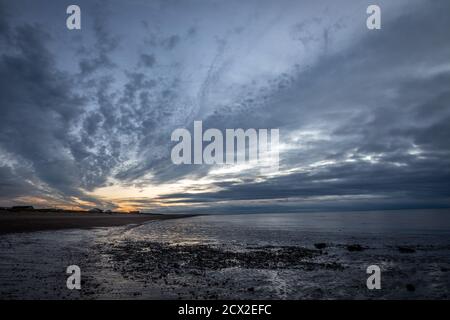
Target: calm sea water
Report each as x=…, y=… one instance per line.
x=304, y=228
x=33, y=265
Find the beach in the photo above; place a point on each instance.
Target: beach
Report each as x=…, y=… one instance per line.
x=260, y=256
x=30, y=221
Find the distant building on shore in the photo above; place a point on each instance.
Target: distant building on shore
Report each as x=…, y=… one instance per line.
x=96, y=210
x=135, y=212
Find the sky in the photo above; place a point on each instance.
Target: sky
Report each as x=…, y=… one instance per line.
x=87, y=115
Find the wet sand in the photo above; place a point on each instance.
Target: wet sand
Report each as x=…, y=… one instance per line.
x=16, y=222
x=270, y=256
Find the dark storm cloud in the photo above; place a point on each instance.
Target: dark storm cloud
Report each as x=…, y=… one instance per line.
x=98, y=56
x=417, y=179
x=13, y=184
x=148, y=60
x=44, y=108
x=349, y=95
x=170, y=42
x=4, y=26
x=366, y=117
x=377, y=98
x=38, y=107
x=37, y=104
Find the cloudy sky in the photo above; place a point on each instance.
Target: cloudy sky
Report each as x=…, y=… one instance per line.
x=87, y=115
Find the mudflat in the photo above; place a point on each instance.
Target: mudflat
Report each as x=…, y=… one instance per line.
x=14, y=222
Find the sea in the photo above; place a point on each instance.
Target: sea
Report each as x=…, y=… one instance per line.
x=238, y=256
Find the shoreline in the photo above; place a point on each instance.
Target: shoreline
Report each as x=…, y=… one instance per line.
x=215, y=257
x=21, y=222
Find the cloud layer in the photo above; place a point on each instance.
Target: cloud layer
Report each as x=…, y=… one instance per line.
x=364, y=116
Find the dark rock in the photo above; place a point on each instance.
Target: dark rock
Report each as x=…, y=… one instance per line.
x=410, y=287
x=320, y=245
x=406, y=250
x=354, y=247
